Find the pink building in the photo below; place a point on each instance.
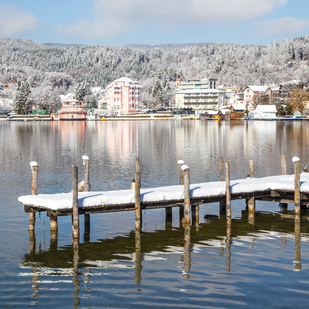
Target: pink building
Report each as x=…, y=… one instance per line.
x=124, y=96
x=71, y=110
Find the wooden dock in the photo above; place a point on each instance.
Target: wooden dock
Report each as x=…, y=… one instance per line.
x=284, y=189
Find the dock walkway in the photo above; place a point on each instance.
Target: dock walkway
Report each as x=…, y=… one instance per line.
x=285, y=189
x=201, y=193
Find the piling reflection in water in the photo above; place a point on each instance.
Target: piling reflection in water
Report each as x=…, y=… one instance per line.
x=75, y=272
x=297, y=261
x=187, y=252
x=78, y=259
x=138, y=257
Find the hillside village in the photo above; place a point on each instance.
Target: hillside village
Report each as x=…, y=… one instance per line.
x=198, y=97
x=207, y=80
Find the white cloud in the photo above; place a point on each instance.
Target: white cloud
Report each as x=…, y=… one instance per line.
x=14, y=21
x=120, y=16
x=282, y=26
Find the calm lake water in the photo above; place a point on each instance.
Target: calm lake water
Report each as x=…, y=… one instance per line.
x=214, y=264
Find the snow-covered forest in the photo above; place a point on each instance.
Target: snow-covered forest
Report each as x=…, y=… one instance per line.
x=61, y=68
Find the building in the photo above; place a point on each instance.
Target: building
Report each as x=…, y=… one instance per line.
x=124, y=95
x=254, y=95
x=264, y=112
x=71, y=110
x=238, y=111
x=199, y=94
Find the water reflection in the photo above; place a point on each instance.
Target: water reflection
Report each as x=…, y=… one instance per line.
x=149, y=263
x=128, y=251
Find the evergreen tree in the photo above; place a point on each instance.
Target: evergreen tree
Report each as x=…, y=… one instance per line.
x=21, y=97
x=82, y=90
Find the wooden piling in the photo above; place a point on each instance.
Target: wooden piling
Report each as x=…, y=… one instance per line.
x=296, y=185
x=168, y=214
x=228, y=190
x=86, y=228
x=195, y=211
x=221, y=169
x=86, y=163
x=75, y=223
x=53, y=223
x=186, y=170
x=222, y=204
x=283, y=164
x=251, y=201
x=34, y=182
x=138, y=213
x=181, y=181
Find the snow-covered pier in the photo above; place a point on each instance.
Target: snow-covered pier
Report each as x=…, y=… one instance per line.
x=293, y=189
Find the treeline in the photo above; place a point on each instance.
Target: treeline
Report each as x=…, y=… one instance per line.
x=157, y=68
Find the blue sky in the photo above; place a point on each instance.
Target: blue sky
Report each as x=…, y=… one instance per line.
x=122, y=22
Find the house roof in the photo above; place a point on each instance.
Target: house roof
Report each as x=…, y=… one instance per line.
x=127, y=82
x=239, y=107
x=258, y=88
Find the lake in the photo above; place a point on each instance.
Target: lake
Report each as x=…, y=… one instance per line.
x=216, y=263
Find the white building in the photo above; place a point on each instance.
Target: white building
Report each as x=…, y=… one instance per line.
x=255, y=94
x=264, y=112
x=199, y=94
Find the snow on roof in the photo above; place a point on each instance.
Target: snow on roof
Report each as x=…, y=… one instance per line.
x=239, y=107
x=127, y=82
x=168, y=193
x=266, y=108
x=212, y=112
x=258, y=88
x=200, y=91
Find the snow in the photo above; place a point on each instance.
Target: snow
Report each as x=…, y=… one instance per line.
x=295, y=159
x=32, y=164
x=184, y=167
x=85, y=158
x=167, y=193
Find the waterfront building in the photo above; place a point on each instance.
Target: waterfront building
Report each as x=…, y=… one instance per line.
x=254, y=95
x=71, y=110
x=200, y=95
x=264, y=112
x=123, y=96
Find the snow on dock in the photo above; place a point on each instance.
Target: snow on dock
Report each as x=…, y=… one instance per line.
x=165, y=194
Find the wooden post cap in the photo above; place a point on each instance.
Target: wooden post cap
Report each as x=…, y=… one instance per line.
x=295, y=159
x=85, y=158
x=32, y=164
x=185, y=167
